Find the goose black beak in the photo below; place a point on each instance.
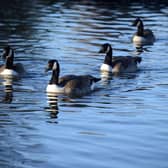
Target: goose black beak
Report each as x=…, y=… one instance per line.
x=3, y=56
x=96, y=79
x=46, y=69
x=101, y=50
x=133, y=24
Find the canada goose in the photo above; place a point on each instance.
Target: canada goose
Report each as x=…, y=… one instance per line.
x=142, y=36
x=117, y=64
x=70, y=84
x=9, y=52
x=8, y=68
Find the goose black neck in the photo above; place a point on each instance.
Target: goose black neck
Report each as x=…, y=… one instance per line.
x=9, y=63
x=108, y=58
x=54, y=77
x=8, y=52
x=140, y=28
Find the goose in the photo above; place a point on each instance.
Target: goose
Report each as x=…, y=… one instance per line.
x=73, y=85
x=117, y=64
x=8, y=68
x=9, y=52
x=142, y=36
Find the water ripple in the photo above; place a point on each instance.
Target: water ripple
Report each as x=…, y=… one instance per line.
x=122, y=123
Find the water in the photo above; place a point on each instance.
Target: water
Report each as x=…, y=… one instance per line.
x=123, y=124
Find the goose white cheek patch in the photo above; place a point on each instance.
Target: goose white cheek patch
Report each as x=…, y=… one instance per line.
x=10, y=53
x=138, y=24
x=108, y=49
x=54, y=66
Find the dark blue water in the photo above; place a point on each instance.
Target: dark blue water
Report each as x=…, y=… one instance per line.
x=123, y=124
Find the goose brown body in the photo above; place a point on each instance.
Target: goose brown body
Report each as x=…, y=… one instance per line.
x=74, y=85
x=142, y=36
x=118, y=64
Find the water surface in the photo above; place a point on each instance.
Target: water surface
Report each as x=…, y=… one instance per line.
x=123, y=124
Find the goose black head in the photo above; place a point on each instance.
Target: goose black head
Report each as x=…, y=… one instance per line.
x=105, y=48
x=52, y=65
x=137, y=22
x=7, y=51
x=9, y=62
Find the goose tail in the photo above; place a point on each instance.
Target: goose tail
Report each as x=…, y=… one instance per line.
x=137, y=59
x=96, y=79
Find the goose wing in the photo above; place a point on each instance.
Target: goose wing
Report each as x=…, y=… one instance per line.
x=125, y=60
x=64, y=79
x=148, y=32
x=18, y=67
x=80, y=85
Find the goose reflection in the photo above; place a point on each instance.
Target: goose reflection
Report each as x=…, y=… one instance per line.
x=106, y=77
x=8, y=90
x=140, y=49
x=53, y=104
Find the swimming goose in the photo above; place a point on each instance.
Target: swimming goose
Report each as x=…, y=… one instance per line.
x=8, y=68
x=70, y=84
x=117, y=64
x=142, y=36
x=9, y=52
